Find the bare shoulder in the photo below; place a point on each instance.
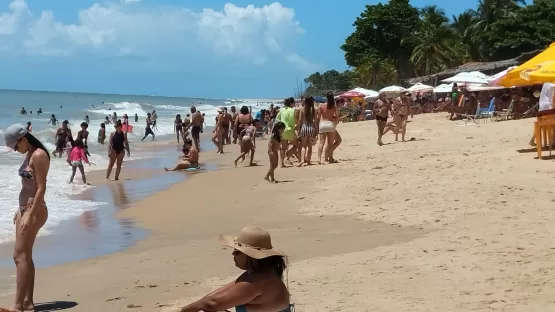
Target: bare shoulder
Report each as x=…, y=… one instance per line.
x=39, y=157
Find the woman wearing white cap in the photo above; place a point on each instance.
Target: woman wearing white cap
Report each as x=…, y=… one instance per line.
x=32, y=213
x=260, y=288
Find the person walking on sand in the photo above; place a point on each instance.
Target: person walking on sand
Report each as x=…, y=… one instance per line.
x=288, y=116
x=32, y=213
x=196, y=126
x=218, y=132
x=247, y=144
x=381, y=111
x=233, y=135
x=148, y=129
x=226, y=122
x=307, y=120
x=118, y=143
x=274, y=146
x=77, y=157
x=326, y=116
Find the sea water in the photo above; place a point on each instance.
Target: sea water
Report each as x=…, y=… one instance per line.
x=74, y=107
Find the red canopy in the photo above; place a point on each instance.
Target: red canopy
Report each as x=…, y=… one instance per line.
x=351, y=94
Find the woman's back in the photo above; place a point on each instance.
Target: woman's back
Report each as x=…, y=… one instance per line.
x=274, y=295
x=326, y=113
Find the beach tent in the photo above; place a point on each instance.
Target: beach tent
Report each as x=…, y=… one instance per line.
x=443, y=88
x=420, y=87
x=475, y=77
x=319, y=99
x=522, y=75
x=495, y=79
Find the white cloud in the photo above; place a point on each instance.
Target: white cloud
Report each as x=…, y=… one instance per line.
x=255, y=34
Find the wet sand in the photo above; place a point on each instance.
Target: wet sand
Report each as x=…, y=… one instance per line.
x=456, y=220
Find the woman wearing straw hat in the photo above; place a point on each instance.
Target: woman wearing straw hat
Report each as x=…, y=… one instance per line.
x=260, y=288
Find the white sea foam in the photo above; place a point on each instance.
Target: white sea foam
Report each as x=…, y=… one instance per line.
x=59, y=205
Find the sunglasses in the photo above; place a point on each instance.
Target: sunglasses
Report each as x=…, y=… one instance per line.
x=16, y=144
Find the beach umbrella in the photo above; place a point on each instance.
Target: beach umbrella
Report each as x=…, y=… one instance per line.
x=475, y=88
x=468, y=77
x=367, y=92
x=392, y=89
x=420, y=87
x=443, y=88
x=542, y=73
x=351, y=94
x=516, y=77
x=495, y=79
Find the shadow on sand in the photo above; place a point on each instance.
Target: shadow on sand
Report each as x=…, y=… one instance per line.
x=55, y=306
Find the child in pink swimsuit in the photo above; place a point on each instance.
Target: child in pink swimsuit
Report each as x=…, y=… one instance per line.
x=77, y=157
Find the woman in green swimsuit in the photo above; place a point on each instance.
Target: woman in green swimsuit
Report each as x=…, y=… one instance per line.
x=260, y=288
x=289, y=116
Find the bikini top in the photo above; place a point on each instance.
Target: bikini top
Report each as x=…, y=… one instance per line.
x=25, y=172
x=242, y=308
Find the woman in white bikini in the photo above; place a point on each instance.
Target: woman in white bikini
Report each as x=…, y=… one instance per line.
x=326, y=117
x=32, y=213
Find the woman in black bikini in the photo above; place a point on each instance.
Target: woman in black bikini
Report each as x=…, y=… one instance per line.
x=243, y=120
x=118, y=143
x=32, y=213
x=83, y=134
x=178, y=127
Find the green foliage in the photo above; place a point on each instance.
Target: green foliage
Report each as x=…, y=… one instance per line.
x=330, y=81
x=395, y=41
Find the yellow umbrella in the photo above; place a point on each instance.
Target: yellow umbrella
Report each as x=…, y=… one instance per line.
x=516, y=77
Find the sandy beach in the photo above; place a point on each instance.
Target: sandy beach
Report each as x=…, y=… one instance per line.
x=456, y=220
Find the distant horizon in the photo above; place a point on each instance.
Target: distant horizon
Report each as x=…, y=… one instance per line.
x=143, y=95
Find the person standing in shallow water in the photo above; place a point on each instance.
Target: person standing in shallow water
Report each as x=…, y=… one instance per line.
x=148, y=128
x=118, y=144
x=32, y=213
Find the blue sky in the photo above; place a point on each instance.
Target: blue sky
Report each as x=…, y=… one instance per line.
x=209, y=48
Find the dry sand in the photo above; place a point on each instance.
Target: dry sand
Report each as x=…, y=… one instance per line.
x=461, y=219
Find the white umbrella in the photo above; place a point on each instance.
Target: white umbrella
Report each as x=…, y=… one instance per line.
x=468, y=77
x=367, y=92
x=494, y=80
x=392, y=89
x=443, y=88
x=420, y=87
x=474, y=88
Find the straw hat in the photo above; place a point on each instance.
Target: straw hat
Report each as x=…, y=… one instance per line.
x=253, y=242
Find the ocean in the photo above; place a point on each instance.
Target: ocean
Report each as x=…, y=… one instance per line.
x=74, y=107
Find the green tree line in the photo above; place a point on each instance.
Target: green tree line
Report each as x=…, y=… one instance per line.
x=396, y=41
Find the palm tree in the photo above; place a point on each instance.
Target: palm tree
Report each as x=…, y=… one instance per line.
x=374, y=73
x=433, y=42
x=463, y=27
x=489, y=11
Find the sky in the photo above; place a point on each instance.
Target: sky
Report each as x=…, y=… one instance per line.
x=209, y=48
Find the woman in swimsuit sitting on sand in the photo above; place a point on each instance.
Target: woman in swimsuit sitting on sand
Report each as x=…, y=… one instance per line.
x=260, y=288
x=190, y=157
x=32, y=213
x=247, y=143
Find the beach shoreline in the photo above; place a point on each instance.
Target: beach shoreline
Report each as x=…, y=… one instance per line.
x=389, y=224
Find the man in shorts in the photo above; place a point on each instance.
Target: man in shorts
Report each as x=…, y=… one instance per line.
x=196, y=126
